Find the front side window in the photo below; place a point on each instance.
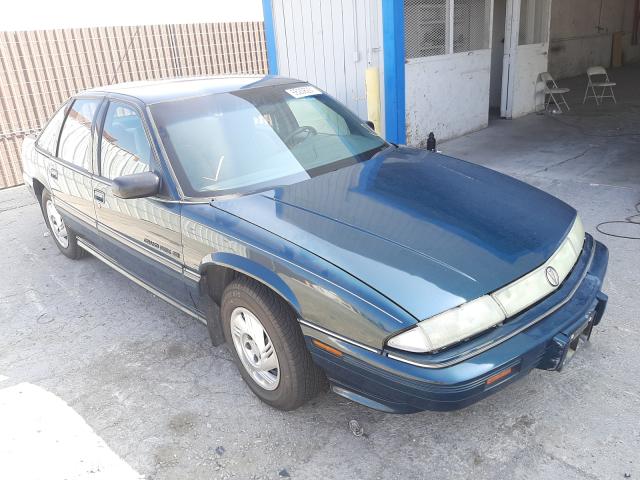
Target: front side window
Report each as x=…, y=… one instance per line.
x=48, y=139
x=75, y=144
x=257, y=138
x=124, y=147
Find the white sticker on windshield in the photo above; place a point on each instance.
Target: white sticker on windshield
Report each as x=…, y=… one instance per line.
x=300, y=92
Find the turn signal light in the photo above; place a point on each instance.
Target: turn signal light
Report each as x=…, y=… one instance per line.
x=499, y=376
x=327, y=348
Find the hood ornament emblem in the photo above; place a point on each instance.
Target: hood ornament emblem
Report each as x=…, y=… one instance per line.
x=552, y=276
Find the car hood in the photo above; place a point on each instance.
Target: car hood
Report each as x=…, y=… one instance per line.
x=427, y=231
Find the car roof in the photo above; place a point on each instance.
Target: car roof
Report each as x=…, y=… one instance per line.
x=156, y=91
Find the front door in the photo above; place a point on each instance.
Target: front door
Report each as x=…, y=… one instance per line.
x=526, y=49
x=140, y=235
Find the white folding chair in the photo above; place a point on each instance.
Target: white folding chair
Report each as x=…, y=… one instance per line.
x=551, y=90
x=599, y=83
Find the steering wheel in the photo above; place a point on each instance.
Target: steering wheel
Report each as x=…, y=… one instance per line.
x=305, y=128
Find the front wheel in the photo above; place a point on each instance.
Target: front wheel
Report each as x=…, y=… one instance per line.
x=64, y=237
x=268, y=346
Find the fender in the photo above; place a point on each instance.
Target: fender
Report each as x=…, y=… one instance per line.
x=254, y=270
x=319, y=292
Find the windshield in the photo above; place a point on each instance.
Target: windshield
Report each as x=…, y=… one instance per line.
x=258, y=138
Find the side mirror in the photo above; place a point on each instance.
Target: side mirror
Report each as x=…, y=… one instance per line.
x=136, y=185
x=370, y=124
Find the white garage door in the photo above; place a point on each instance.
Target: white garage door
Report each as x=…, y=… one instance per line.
x=328, y=43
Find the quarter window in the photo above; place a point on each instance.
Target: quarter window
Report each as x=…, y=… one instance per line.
x=125, y=148
x=75, y=140
x=48, y=140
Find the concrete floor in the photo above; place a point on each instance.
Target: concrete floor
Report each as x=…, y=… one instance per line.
x=588, y=144
x=165, y=404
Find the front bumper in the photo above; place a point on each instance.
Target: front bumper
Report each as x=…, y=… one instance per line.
x=537, y=338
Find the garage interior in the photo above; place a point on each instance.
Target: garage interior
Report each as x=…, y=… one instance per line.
x=589, y=148
x=448, y=89
x=590, y=144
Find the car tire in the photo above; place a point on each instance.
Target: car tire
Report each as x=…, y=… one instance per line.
x=63, y=236
x=297, y=378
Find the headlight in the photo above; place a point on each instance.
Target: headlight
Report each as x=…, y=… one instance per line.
x=535, y=285
x=488, y=311
x=576, y=235
x=450, y=327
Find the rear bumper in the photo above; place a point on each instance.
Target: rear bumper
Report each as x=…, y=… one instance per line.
x=404, y=385
x=28, y=181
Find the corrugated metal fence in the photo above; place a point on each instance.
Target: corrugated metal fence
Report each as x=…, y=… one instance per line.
x=40, y=69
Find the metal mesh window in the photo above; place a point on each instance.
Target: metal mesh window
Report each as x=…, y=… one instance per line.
x=439, y=27
x=470, y=25
x=534, y=21
x=425, y=28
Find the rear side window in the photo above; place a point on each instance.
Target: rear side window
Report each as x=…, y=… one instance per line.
x=125, y=148
x=48, y=140
x=75, y=140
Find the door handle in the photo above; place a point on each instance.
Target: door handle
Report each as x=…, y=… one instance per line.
x=98, y=195
x=53, y=173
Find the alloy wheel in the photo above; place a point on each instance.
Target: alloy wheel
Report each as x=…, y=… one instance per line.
x=255, y=348
x=58, y=228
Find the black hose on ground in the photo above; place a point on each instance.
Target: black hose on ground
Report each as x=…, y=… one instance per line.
x=632, y=219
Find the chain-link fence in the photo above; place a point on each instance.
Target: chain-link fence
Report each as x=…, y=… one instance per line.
x=440, y=27
x=425, y=28
x=41, y=69
x=471, y=25
x=534, y=21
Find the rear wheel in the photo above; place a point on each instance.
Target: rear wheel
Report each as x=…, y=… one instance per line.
x=268, y=346
x=63, y=236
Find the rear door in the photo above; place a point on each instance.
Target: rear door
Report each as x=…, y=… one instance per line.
x=141, y=235
x=70, y=170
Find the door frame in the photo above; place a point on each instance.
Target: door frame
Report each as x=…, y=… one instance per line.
x=511, y=51
x=509, y=57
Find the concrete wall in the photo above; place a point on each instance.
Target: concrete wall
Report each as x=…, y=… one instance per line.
x=581, y=34
x=528, y=90
x=447, y=94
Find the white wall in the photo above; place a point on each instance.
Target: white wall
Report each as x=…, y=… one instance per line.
x=529, y=91
x=447, y=94
x=581, y=34
x=329, y=44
